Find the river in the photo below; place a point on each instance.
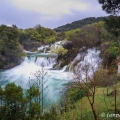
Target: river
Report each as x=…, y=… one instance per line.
x=57, y=78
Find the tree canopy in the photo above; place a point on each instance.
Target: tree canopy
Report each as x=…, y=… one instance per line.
x=10, y=49
x=78, y=24
x=110, y=6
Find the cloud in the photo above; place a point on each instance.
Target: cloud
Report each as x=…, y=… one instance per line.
x=51, y=8
x=24, y=13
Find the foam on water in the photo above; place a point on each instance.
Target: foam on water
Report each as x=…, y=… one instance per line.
x=21, y=73
x=90, y=58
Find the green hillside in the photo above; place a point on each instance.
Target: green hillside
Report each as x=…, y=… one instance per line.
x=78, y=24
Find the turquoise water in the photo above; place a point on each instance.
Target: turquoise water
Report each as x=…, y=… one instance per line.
x=57, y=78
x=21, y=73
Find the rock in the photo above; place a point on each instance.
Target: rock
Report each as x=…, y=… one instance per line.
x=68, y=45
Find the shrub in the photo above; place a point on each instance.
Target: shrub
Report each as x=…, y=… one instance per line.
x=60, y=50
x=77, y=94
x=50, y=40
x=113, y=50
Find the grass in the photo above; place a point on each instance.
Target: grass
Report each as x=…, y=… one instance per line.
x=103, y=104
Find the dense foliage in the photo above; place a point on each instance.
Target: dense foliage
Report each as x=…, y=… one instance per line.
x=80, y=39
x=78, y=24
x=60, y=50
x=39, y=33
x=31, y=38
x=18, y=105
x=10, y=49
x=112, y=25
x=110, y=6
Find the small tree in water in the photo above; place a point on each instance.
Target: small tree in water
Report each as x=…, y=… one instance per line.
x=38, y=80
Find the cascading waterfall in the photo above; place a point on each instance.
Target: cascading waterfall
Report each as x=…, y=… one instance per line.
x=90, y=58
x=21, y=73
x=58, y=78
x=45, y=61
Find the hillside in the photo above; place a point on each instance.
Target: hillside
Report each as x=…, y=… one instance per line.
x=78, y=24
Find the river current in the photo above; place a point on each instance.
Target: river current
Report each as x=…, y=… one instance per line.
x=57, y=78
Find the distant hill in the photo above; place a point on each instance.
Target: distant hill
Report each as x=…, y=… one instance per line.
x=78, y=24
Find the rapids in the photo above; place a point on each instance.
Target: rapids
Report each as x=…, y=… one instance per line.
x=57, y=80
x=21, y=73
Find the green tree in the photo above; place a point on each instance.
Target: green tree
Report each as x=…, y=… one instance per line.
x=18, y=105
x=50, y=40
x=34, y=109
x=113, y=50
x=13, y=107
x=110, y=6
x=10, y=49
x=47, y=35
x=112, y=25
x=33, y=34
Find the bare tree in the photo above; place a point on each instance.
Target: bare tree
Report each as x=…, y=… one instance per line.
x=89, y=83
x=39, y=79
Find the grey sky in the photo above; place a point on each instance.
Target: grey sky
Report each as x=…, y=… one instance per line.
x=48, y=13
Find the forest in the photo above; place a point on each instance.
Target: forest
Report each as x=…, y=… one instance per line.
x=78, y=24
x=91, y=98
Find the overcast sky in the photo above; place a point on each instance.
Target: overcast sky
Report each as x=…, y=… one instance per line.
x=48, y=13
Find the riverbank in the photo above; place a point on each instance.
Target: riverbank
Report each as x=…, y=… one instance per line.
x=104, y=104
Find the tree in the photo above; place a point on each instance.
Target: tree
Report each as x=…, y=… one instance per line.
x=33, y=106
x=110, y=6
x=78, y=24
x=18, y=105
x=50, y=40
x=112, y=25
x=47, y=35
x=90, y=85
x=13, y=104
x=10, y=49
x=113, y=50
x=33, y=34
x=38, y=80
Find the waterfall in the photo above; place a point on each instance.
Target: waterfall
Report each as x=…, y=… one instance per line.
x=21, y=73
x=90, y=58
x=58, y=78
x=45, y=62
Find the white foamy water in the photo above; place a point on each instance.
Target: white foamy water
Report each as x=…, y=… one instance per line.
x=58, y=78
x=90, y=58
x=21, y=73
x=43, y=61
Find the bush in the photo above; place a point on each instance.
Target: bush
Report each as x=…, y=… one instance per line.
x=60, y=50
x=50, y=40
x=77, y=94
x=113, y=50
